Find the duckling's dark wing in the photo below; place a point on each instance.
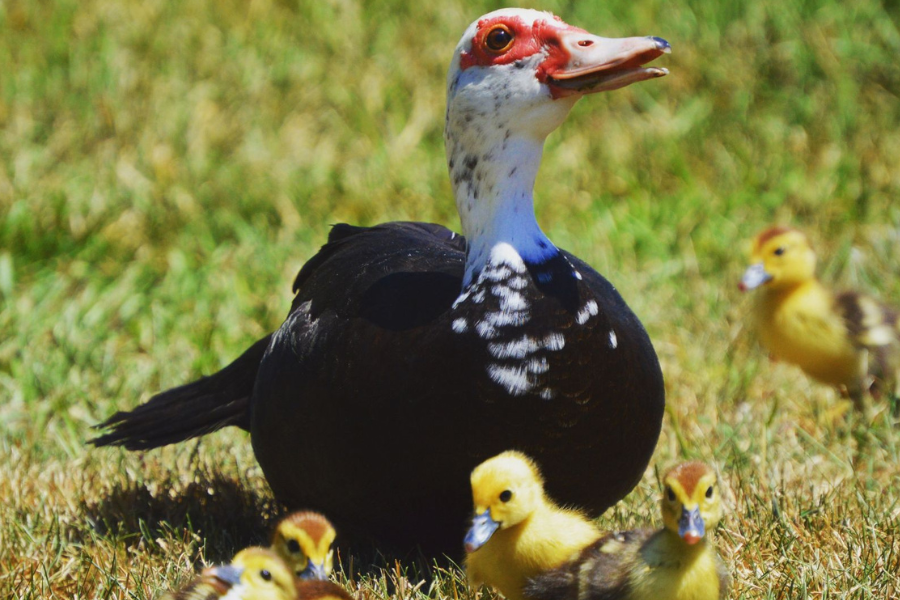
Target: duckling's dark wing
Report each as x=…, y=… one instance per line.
x=314, y=589
x=873, y=326
x=599, y=573
x=196, y=590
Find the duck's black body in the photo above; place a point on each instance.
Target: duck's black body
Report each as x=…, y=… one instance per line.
x=410, y=355
x=369, y=406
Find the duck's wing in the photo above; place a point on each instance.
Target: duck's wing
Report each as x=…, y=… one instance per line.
x=342, y=234
x=399, y=274
x=874, y=327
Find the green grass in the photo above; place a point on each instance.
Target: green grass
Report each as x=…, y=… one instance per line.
x=166, y=167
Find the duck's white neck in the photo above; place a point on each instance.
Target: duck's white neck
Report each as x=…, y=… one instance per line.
x=493, y=183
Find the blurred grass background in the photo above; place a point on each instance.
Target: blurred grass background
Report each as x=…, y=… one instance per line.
x=167, y=167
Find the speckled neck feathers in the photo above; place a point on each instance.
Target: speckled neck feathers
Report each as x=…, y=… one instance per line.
x=497, y=120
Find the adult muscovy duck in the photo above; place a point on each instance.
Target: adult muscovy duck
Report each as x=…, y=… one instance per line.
x=411, y=354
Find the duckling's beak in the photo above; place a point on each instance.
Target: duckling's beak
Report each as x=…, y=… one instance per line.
x=222, y=577
x=483, y=527
x=754, y=276
x=691, y=527
x=313, y=571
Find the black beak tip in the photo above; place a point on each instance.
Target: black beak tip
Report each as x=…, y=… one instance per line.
x=661, y=44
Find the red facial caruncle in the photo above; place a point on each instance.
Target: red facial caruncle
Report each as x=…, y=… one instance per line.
x=504, y=40
x=574, y=62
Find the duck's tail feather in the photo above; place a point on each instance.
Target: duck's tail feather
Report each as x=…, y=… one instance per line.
x=190, y=410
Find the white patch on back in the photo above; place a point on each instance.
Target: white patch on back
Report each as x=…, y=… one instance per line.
x=498, y=273
x=503, y=319
x=590, y=309
x=613, y=340
x=509, y=298
x=514, y=379
x=485, y=330
x=538, y=365
x=519, y=348
x=461, y=298
x=517, y=283
x=506, y=254
x=460, y=325
x=554, y=342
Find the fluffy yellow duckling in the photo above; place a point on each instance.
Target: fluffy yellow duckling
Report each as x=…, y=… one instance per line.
x=846, y=340
x=257, y=574
x=303, y=540
x=517, y=531
x=677, y=562
x=254, y=574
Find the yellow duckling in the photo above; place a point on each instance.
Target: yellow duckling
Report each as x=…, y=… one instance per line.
x=677, y=562
x=303, y=540
x=517, y=531
x=254, y=574
x=846, y=340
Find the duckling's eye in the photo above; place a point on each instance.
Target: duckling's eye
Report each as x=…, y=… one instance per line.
x=709, y=492
x=505, y=496
x=670, y=494
x=499, y=39
x=293, y=546
x=265, y=575
x=779, y=251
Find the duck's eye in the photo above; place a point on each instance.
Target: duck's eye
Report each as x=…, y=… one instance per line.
x=499, y=39
x=265, y=575
x=505, y=496
x=709, y=492
x=670, y=494
x=779, y=251
x=293, y=546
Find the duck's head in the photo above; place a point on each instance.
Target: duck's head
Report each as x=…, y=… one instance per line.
x=506, y=490
x=691, y=503
x=514, y=77
x=254, y=574
x=527, y=68
x=781, y=258
x=303, y=540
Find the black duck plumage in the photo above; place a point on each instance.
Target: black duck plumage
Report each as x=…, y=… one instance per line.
x=360, y=376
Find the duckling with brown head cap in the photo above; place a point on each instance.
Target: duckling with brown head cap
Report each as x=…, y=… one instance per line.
x=677, y=562
x=303, y=540
x=253, y=574
x=846, y=340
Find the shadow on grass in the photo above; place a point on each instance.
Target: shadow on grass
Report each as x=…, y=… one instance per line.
x=223, y=512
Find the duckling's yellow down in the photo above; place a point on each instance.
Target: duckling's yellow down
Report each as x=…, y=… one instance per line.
x=253, y=574
x=678, y=562
x=533, y=534
x=848, y=340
